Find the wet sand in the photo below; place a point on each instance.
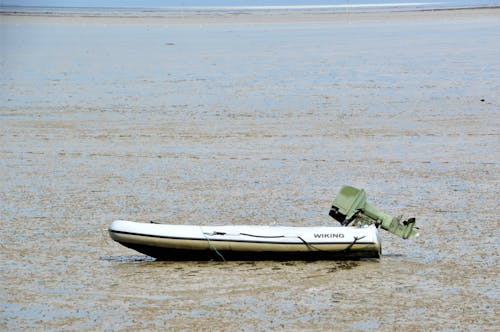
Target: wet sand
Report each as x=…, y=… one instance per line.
x=246, y=123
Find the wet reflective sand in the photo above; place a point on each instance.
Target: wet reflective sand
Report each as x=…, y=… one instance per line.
x=255, y=123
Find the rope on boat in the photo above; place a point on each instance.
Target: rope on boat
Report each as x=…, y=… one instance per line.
x=215, y=249
x=263, y=236
x=212, y=246
x=310, y=246
x=356, y=238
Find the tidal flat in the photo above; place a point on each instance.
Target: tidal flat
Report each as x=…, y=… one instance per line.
x=248, y=119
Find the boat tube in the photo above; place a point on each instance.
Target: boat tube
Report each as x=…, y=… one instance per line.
x=245, y=242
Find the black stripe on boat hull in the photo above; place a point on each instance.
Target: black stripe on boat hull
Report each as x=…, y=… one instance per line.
x=168, y=254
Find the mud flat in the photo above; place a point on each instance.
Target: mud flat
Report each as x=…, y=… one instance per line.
x=246, y=123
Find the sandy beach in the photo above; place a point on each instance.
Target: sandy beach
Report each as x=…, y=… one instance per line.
x=258, y=118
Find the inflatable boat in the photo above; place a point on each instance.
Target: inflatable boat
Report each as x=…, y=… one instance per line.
x=357, y=237
x=189, y=242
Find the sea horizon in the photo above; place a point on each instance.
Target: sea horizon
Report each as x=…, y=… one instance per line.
x=241, y=5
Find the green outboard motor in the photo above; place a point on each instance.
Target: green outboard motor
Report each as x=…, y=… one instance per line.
x=351, y=209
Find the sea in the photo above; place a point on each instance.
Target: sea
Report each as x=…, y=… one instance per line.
x=120, y=6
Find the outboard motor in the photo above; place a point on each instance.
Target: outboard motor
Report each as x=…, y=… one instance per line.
x=351, y=209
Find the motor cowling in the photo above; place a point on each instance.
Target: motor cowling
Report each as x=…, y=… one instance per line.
x=350, y=208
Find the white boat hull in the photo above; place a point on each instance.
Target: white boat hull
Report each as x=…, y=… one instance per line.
x=185, y=242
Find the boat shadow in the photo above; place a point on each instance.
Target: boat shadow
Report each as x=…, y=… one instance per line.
x=331, y=267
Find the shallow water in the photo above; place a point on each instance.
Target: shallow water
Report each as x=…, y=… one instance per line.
x=248, y=124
